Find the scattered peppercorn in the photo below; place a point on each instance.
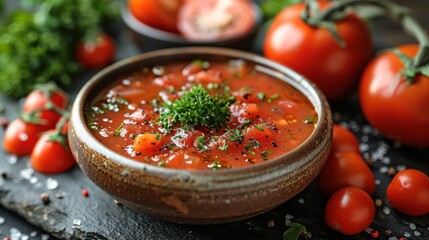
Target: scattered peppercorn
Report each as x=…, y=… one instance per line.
x=44, y=197
x=391, y=171
x=387, y=232
x=85, y=192
x=374, y=233
x=4, y=175
x=378, y=202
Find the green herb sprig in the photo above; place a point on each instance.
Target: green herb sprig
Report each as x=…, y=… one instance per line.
x=196, y=108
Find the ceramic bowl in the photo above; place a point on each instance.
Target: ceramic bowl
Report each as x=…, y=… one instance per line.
x=149, y=38
x=199, y=197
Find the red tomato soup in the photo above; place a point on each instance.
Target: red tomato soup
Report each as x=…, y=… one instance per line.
x=200, y=115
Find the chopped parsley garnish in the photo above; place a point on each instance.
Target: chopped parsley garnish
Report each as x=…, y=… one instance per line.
x=252, y=144
x=201, y=141
x=201, y=63
x=194, y=109
x=235, y=136
x=224, y=147
x=309, y=120
x=273, y=97
x=260, y=127
x=261, y=96
x=161, y=164
x=265, y=154
x=215, y=165
x=119, y=129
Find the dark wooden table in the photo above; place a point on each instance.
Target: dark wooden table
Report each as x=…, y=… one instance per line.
x=98, y=217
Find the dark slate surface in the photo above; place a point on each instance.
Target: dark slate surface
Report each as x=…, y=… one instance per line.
x=98, y=217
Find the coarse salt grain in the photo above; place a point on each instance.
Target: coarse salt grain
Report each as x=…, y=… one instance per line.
x=386, y=210
x=13, y=160
x=77, y=222
x=51, y=184
x=383, y=169
x=44, y=237
x=301, y=201
x=412, y=226
x=407, y=234
x=400, y=167
x=417, y=233
x=377, y=182
x=393, y=238
x=2, y=220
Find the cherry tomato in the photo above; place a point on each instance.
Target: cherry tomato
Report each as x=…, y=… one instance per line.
x=313, y=52
x=215, y=20
x=39, y=99
x=21, y=137
x=52, y=154
x=349, y=211
x=395, y=108
x=344, y=140
x=344, y=169
x=409, y=192
x=96, y=53
x=159, y=14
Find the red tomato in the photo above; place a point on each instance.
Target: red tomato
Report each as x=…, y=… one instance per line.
x=215, y=20
x=96, y=53
x=313, y=52
x=409, y=192
x=21, y=137
x=50, y=155
x=344, y=140
x=159, y=14
x=344, y=169
x=395, y=108
x=39, y=98
x=349, y=211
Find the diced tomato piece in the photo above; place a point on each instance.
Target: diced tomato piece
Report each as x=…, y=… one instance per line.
x=262, y=134
x=146, y=142
x=245, y=97
x=208, y=76
x=169, y=80
x=252, y=111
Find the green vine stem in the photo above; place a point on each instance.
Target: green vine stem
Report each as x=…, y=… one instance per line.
x=410, y=25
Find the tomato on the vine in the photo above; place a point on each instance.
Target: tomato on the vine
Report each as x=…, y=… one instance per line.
x=20, y=137
x=391, y=104
x=97, y=52
x=315, y=53
x=349, y=211
x=42, y=99
x=344, y=169
x=409, y=192
x=52, y=154
x=159, y=14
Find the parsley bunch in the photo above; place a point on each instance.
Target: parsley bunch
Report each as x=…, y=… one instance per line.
x=194, y=109
x=38, y=46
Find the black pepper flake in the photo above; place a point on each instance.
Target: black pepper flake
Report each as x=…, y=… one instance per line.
x=274, y=144
x=44, y=197
x=4, y=175
x=59, y=195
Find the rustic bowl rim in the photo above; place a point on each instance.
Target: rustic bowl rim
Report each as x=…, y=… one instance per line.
x=301, y=83
x=146, y=30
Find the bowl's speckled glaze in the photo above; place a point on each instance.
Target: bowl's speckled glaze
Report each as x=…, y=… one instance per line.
x=200, y=197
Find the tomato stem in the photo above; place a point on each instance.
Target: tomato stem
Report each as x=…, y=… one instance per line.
x=401, y=13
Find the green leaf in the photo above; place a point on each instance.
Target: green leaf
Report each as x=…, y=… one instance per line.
x=294, y=231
